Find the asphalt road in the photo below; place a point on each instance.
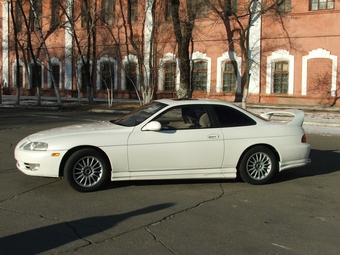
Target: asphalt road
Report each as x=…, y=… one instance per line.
x=298, y=213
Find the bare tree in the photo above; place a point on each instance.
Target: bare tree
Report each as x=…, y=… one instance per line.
x=183, y=18
x=85, y=41
x=16, y=49
x=42, y=39
x=238, y=19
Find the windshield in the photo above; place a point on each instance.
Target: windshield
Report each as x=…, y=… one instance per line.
x=137, y=116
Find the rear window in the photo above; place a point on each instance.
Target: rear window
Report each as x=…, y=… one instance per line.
x=230, y=117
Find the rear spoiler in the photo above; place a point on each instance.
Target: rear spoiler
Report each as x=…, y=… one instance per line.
x=298, y=116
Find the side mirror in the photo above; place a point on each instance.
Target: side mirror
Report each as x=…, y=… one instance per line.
x=152, y=126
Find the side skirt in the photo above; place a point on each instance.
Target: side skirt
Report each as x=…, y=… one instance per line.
x=226, y=173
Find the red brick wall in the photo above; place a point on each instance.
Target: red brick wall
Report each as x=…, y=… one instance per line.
x=319, y=77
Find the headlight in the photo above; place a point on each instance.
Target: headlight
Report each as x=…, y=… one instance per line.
x=34, y=146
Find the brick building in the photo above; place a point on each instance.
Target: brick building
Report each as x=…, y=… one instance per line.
x=293, y=50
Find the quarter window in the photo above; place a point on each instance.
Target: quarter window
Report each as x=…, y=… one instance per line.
x=321, y=4
x=229, y=76
x=200, y=75
x=281, y=77
x=230, y=117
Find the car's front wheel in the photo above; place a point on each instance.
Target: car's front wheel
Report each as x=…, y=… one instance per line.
x=86, y=170
x=258, y=165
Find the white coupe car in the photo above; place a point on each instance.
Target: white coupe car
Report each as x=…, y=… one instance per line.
x=168, y=139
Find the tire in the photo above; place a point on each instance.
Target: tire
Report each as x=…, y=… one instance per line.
x=86, y=170
x=258, y=165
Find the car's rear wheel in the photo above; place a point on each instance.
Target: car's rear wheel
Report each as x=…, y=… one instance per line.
x=86, y=170
x=258, y=165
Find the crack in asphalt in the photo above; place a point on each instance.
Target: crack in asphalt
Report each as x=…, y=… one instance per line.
x=179, y=212
x=88, y=242
x=190, y=208
x=146, y=227
x=159, y=241
x=29, y=190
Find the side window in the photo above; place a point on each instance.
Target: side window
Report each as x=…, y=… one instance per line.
x=185, y=117
x=230, y=117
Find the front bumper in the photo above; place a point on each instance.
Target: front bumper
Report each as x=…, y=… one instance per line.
x=38, y=163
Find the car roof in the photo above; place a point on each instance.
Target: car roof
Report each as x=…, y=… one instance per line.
x=187, y=101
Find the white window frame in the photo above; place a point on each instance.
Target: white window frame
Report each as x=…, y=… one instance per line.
x=105, y=59
x=30, y=66
x=126, y=60
x=319, y=53
x=278, y=56
x=228, y=56
x=79, y=76
x=169, y=57
x=196, y=56
x=57, y=62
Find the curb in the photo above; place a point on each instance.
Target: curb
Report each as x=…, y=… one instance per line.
x=35, y=107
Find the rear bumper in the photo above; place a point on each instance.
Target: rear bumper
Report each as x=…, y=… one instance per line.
x=295, y=163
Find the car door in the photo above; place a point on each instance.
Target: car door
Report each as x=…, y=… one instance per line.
x=186, y=141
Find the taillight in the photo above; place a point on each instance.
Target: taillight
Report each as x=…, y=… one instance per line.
x=304, y=138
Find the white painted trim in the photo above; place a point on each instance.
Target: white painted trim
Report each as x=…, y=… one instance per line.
x=68, y=45
x=127, y=59
x=319, y=53
x=201, y=56
x=148, y=27
x=279, y=55
x=169, y=57
x=115, y=68
x=228, y=56
x=5, y=43
x=255, y=48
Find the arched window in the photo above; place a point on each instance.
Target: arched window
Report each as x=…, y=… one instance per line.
x=22, y=74
x=281, y=77
x=36, y=75
x=229, y=76
x=200, y=73
x=169, y=76
x=107, y=75
x=131, y=76
x=56, y=71
x=280, y=73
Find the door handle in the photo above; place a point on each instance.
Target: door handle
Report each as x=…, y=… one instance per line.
x=213, y=136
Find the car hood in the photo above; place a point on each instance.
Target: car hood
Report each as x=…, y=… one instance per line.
x=98, y=133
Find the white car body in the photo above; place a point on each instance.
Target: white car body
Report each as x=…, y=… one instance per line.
x=145, y=151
